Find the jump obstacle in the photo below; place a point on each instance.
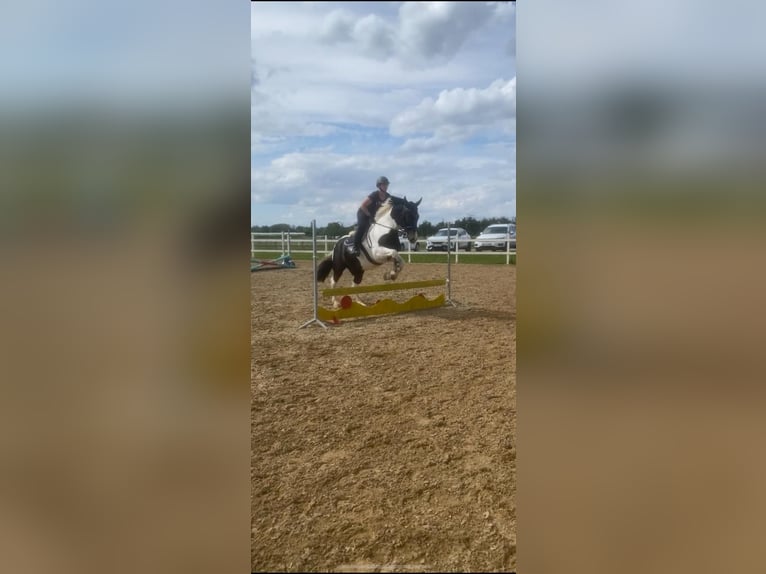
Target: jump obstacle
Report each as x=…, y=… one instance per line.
x=283, y=262
x=350, y=309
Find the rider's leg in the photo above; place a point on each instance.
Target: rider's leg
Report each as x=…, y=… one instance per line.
x=362, y=225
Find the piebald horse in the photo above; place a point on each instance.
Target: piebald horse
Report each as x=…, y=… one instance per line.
x=380, y=245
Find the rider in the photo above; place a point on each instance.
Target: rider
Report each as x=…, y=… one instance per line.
x=367, y=210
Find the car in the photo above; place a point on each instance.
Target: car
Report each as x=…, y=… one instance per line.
x=496, y=237
x=405, y=243
x=458, y=235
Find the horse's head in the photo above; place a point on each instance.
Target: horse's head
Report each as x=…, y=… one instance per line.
x=405, y=214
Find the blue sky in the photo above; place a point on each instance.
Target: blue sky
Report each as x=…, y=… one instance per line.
x=421, y=92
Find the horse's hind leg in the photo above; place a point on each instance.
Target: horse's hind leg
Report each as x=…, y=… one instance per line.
x=357, y=282
x=356, y=270
x=333, y=283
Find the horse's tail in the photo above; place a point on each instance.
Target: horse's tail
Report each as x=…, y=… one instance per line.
x=331, y=261
x=324, y=268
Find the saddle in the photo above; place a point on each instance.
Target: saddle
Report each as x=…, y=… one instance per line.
x=390, y=240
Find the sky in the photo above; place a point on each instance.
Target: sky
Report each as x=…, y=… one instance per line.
x=423, y=93
x=143, y=54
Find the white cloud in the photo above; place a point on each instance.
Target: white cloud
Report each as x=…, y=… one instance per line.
x=348, y=92
x=458, y=111
x=254, y=81
x=424, y=144
x=424, y=32
x=375, y=37
x=436, y=30
x=451, y=187
x=337, y=26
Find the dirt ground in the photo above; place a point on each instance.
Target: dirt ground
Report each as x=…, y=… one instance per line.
x=386, y=443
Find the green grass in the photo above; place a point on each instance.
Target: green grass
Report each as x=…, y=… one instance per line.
x=418, y=257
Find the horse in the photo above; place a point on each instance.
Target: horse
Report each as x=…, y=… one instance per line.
x=380, y=245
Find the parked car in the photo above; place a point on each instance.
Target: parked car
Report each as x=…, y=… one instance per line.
x=495, y=236
x=458, y=235
x=405, y=242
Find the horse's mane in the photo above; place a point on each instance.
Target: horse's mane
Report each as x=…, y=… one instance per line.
x=385, y=208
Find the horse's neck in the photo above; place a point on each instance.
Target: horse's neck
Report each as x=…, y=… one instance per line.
x=385, y=219
x=385, y=223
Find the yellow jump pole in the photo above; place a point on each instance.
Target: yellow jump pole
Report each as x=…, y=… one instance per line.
x=383, y=287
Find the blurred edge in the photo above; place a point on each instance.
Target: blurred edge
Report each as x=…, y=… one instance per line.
x=641, y=283
x=124, y=191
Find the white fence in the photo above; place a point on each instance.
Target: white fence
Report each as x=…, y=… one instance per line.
x=284, y=243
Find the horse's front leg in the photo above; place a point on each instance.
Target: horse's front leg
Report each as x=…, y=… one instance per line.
x=398, y=266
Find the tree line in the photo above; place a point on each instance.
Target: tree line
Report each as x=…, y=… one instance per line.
x=335, y=229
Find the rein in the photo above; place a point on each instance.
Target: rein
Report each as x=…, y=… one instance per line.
x=384, y=225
